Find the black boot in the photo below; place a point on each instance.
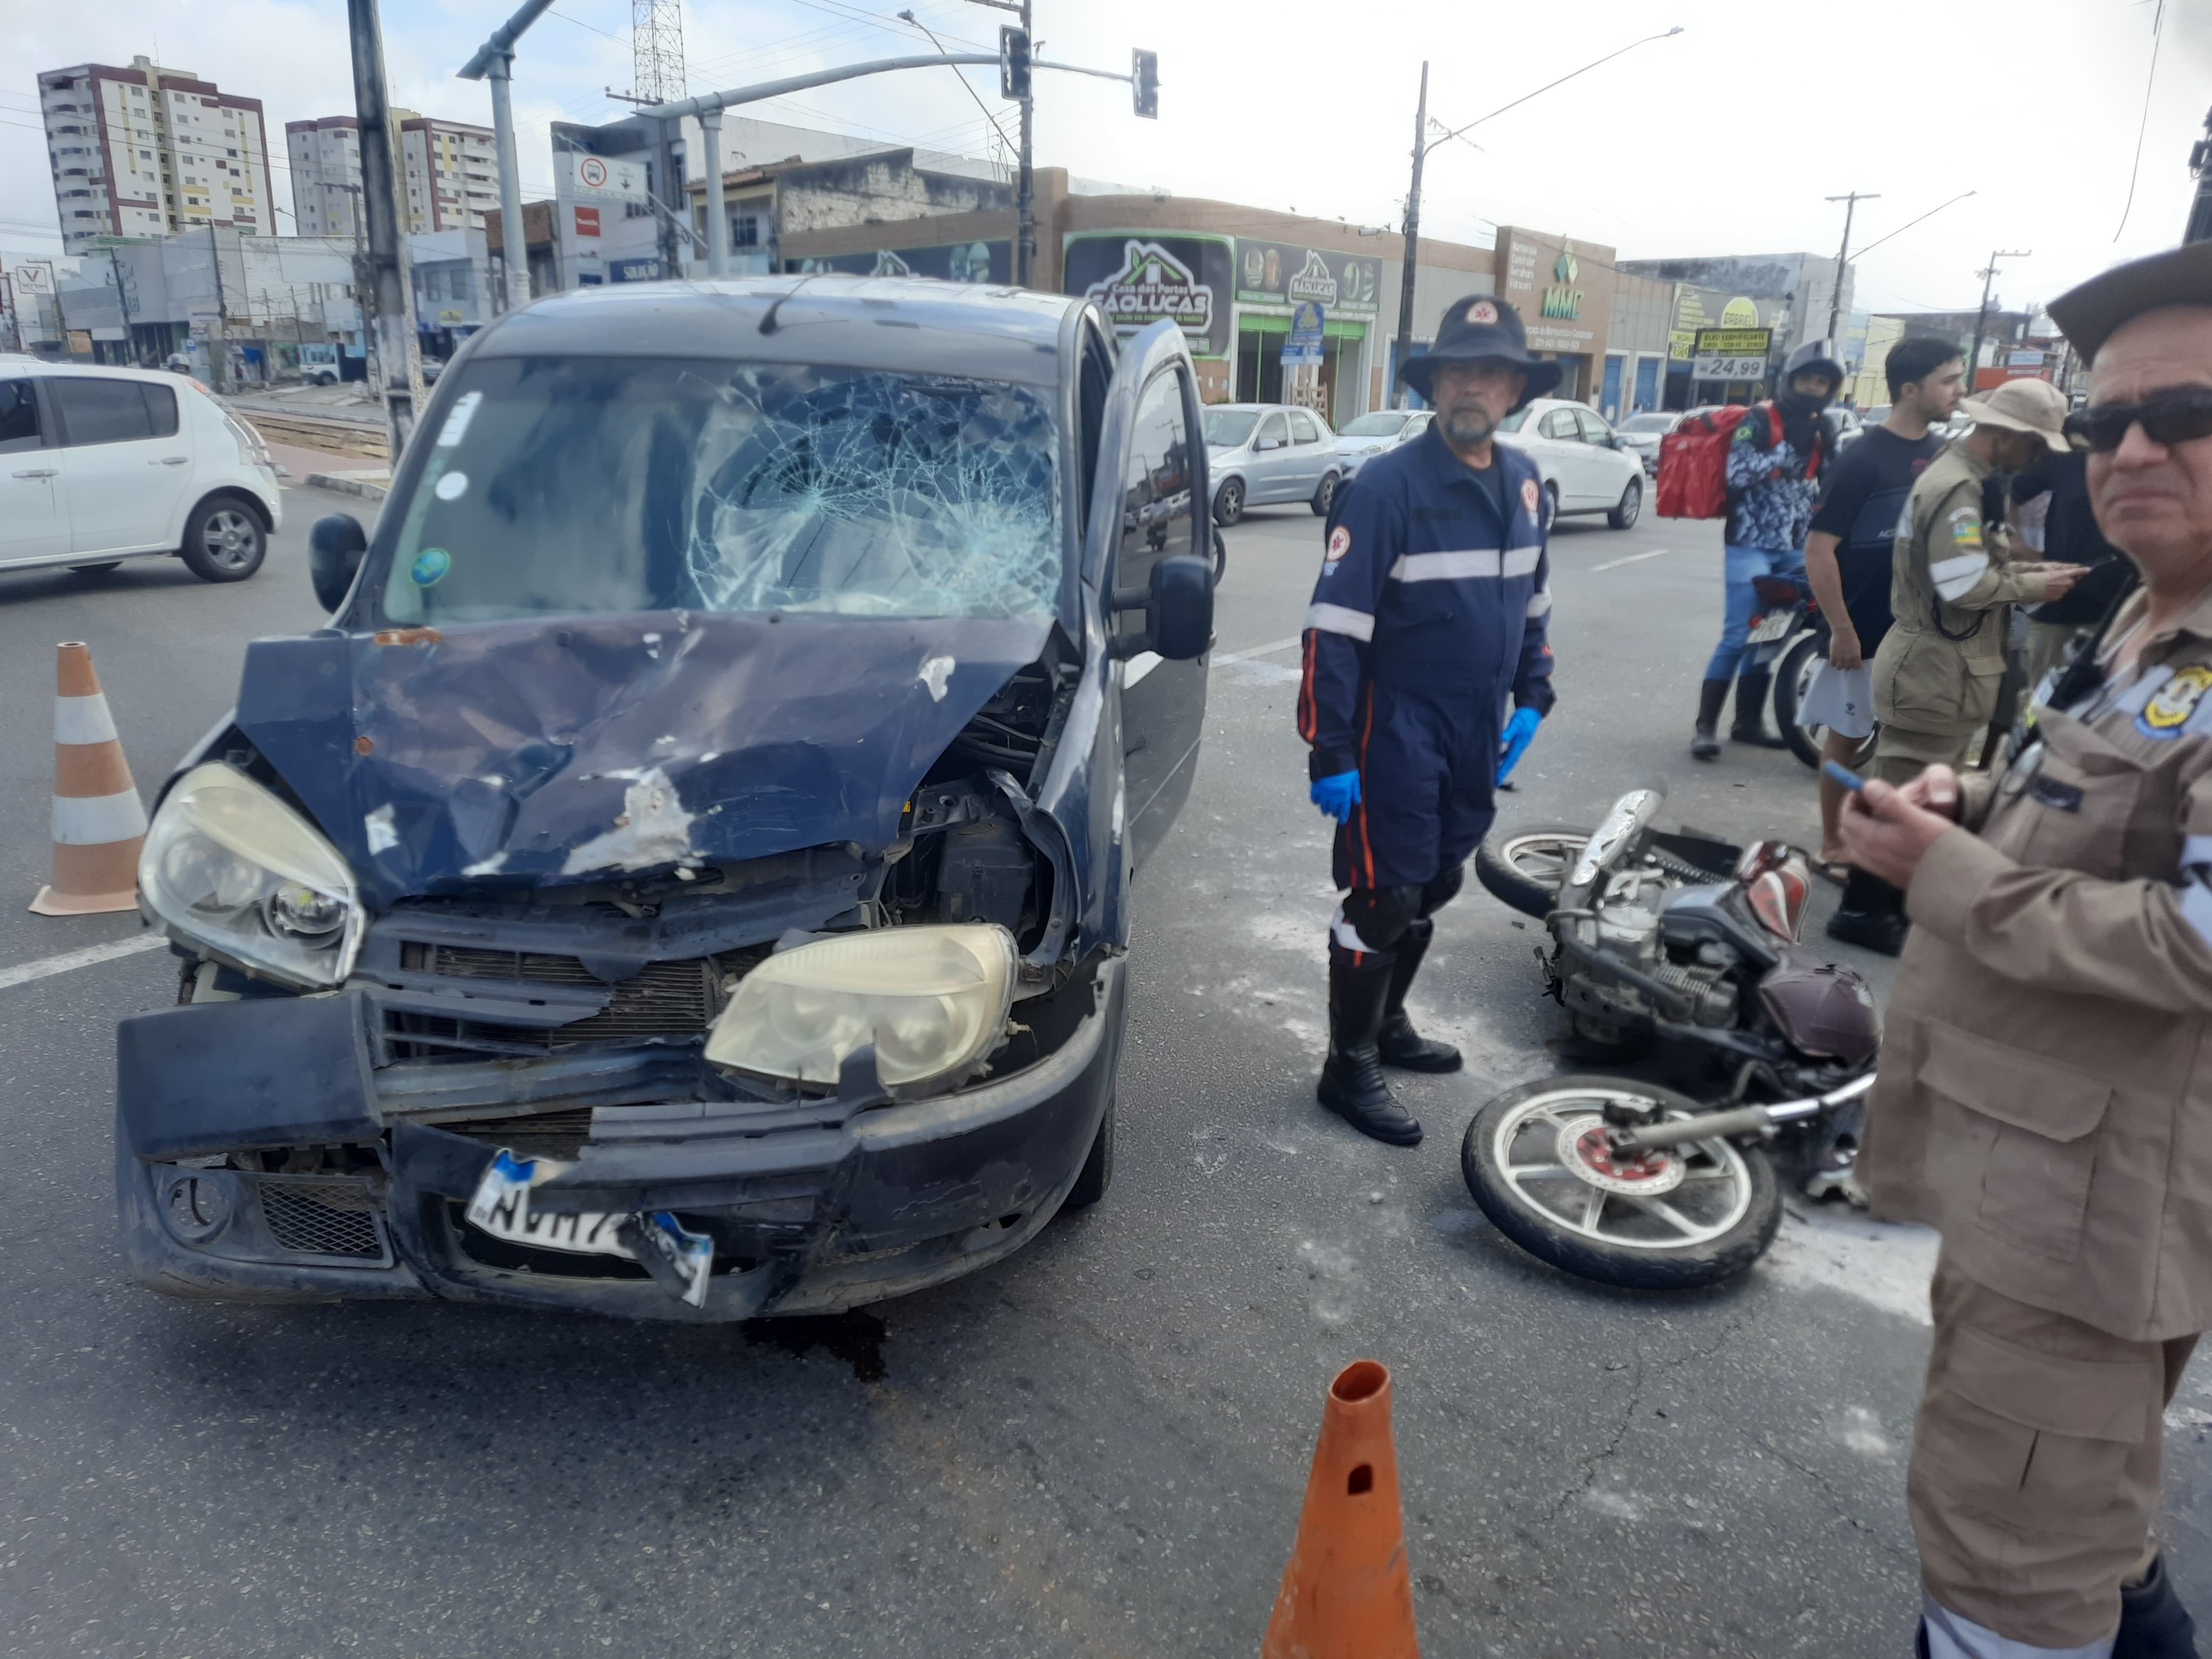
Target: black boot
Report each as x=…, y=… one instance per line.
x=1751, y=690
x=1705, y=745
x=1871, y=916
x=1399, y=1044
x=1352, y=1082
x=2154, y=1624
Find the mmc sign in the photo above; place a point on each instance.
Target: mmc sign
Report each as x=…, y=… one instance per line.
x=1563, y=299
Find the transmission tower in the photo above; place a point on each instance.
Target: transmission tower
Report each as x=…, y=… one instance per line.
x=656, y=36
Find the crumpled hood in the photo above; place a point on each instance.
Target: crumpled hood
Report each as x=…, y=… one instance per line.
x=588, y=747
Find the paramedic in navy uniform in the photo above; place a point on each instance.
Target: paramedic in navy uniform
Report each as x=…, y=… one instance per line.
x=1430, y=608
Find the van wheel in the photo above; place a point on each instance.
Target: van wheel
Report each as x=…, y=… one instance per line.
x=224, y=540
x=1097, y=1169
x=1632, y=504
x=1228, y=504
x=1325, y=497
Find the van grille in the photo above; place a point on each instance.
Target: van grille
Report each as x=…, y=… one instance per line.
x=679, y=998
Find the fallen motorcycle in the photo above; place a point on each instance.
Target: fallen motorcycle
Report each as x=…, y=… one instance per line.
x=1684, y=938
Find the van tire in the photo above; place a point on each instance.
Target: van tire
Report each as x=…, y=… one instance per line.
x=226, y=538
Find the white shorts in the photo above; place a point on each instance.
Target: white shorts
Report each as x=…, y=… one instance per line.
x=1841, y=699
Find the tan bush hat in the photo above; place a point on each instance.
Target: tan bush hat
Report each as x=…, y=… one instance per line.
x=2179, y=277
x=2023, y=405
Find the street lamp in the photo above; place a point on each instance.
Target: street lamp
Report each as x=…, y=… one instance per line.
x=1422, y=145
x=496, y=59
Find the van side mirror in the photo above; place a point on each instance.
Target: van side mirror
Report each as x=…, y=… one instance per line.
x=335, y=547
x=1183, y=607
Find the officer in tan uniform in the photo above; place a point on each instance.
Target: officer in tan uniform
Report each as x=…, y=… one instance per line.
x=1953, y=573
x=2045, y=1098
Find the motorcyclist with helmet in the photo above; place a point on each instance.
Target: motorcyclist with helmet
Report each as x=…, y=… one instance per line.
x=1775, y=457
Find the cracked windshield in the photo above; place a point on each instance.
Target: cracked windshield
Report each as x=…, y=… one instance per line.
x=600, y=484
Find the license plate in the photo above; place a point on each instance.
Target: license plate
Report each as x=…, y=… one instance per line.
x=1765, y=630
x=683, y=1261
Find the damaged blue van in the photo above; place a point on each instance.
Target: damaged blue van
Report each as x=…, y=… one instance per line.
x=688, y=877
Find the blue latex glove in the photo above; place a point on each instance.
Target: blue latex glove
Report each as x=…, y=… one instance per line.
x=1520, y=733
x=1336, y=796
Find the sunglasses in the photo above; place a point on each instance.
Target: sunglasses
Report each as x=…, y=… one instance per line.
x=2177, y=417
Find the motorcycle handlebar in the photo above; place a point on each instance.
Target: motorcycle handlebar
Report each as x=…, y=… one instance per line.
x=1744, y=1119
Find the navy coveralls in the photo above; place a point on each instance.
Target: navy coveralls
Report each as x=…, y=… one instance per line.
x=1427, y=612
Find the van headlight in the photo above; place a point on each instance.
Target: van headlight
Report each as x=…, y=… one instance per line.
x=229, y=866
x=933, y=1000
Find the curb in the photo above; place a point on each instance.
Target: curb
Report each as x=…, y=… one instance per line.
x=345, y=485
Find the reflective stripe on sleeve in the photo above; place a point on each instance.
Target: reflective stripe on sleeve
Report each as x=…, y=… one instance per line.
x=1339, y=619
x=1346, y=935
x=1522, y=561
x=1539, y=604
x=2197, y=906
x=95, y=820
x=1955, y=577
x=1451, y=567
x=1951, y=1636
x=2196, y=853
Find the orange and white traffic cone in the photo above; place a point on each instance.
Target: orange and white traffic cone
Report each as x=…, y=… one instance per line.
x=1347, y=1592
x=100, y=823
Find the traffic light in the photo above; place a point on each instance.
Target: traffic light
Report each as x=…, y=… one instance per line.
x=1146, y=84
x=1014, y=63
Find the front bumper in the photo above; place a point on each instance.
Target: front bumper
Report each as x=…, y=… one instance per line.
x=811, y=1211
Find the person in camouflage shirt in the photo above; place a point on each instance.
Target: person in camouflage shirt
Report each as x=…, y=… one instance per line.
x=1775, y=460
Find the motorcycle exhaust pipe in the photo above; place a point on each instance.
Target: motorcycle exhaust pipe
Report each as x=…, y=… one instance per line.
x=1744, y=1119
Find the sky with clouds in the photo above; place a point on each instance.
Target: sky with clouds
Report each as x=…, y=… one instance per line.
x=1722, y=139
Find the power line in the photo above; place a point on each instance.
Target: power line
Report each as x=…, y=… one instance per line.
x=2157, y=34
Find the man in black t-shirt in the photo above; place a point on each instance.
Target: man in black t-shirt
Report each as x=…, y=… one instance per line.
x=1847, y=560
x=2070, y=536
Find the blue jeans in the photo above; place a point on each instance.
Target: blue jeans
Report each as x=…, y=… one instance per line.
x=1732, y=655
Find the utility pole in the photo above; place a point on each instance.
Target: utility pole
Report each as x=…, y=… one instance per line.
x=219, y=346
x=399, y=357
x=2199, y=227
x=495, y=60
x=1403, y=348
x=1843, y=258
x=1988, y=275
x=123, y=304
x=1422, y=145
x=1025, y=181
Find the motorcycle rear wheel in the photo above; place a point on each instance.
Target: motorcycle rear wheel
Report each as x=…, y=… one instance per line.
x=1705, y=1212
x=1525, y=867
x=1791, y=679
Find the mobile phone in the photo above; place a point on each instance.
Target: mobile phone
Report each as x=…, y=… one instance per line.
x=1843, y=774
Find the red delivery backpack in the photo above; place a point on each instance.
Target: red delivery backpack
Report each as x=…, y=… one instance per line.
x=1694, y=460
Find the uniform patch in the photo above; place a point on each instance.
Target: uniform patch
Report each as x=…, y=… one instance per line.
x=1339, y=544
x=1482, y=313
x=1528, y=494
x=1966, y=528
x=2172, y=703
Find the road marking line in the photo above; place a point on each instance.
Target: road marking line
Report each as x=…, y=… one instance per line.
x=47, y=967
x=1258, y=650
x=1613, y=564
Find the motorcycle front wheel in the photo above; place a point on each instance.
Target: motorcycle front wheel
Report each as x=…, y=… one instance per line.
x=1526, y=867
x=1537, y=1161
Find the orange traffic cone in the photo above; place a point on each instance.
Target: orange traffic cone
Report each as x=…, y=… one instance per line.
x=1346, y=1592
x=100, y=823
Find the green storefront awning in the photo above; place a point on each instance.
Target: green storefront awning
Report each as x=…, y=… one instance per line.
x=1261, y=322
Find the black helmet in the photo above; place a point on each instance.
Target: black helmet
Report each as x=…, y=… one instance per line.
x=1476, y=327
x=1816, y=354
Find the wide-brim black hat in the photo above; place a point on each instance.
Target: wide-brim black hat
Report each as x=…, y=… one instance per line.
x=1479, y=327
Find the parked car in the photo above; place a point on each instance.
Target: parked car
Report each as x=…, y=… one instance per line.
x=1259, y=454
x=1370, y=434
x=98, y=465
x=686, y=878
x=1847, y=425
x=1586, y=465
x=1642, y=433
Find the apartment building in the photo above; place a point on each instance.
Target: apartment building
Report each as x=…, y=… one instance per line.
x=153, y=151
x=448, y=171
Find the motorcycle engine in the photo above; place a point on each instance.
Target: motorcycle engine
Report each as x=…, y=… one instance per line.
x=1627, y=927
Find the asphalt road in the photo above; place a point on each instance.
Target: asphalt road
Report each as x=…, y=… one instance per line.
x=1096, y=1448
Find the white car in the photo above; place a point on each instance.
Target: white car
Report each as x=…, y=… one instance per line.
x=1585, y=465
x=98, y=465
x=1367, y=435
